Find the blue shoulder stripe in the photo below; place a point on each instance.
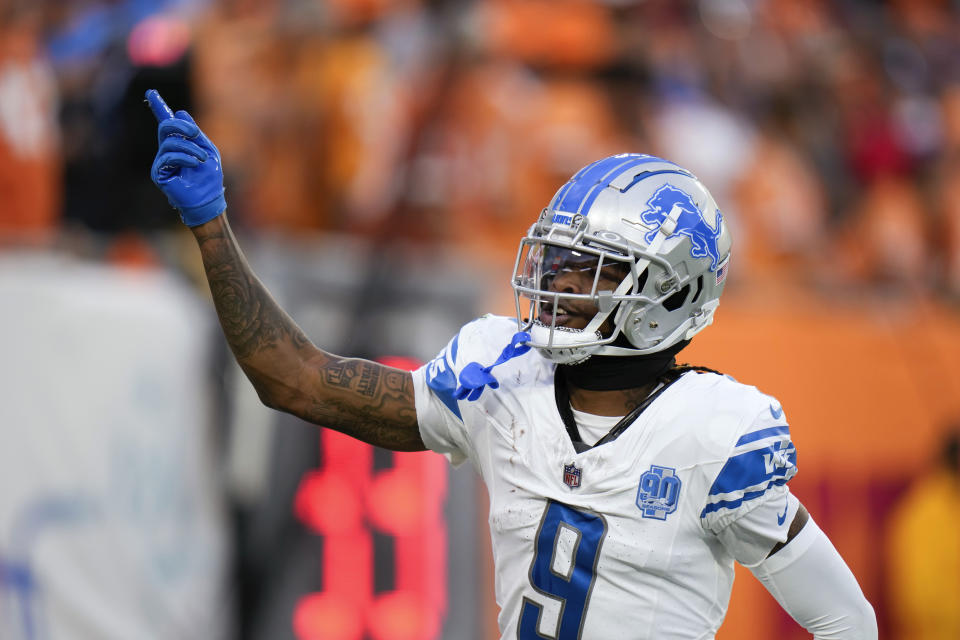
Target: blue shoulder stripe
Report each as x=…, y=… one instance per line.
x=441, y=378
x=453, y=349
x=748, y=470
x=733, y=504
x=763, y=433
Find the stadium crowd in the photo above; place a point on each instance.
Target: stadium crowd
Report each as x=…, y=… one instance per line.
x=830, y=130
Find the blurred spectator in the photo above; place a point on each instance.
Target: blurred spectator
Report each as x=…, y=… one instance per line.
x=946, y=194
x=321, y=142
x=782, y=204
x=924, y=551
x=106, y=54
x=885, y=241
x=239, y=77
x=518, y=111
x=29, y=136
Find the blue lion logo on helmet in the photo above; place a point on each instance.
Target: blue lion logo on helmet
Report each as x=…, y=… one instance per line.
x=690, y=222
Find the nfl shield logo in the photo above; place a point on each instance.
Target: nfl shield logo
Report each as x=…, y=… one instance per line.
x=571, y=475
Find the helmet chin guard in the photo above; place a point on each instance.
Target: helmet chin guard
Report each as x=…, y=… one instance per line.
x=646, y=217
x=563, y=346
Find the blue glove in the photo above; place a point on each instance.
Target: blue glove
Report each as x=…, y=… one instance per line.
x=187, y=167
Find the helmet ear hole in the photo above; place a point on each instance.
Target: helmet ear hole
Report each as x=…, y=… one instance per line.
x=642, y=281
x=676, y=301
x=635, y=312
x=699, y=290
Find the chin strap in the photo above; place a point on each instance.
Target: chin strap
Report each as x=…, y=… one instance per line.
x=607, y=373
x=473, y=377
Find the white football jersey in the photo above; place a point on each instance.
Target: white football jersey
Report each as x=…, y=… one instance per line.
x=623, y=540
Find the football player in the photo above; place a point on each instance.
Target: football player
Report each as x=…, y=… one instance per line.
x=622, y=487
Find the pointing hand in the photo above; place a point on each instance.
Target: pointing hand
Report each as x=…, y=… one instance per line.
x=187, y=165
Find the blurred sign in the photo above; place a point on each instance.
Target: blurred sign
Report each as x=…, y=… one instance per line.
x=111, y=518
x=349, y=503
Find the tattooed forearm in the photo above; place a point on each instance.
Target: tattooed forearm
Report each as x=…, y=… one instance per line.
x=385, y=415
x=353, y=374
x=251, y=320
x=363, y=399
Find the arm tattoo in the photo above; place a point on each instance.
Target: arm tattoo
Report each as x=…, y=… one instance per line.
x=251, y=320
x=347, y=374
x=377, y=405
x=363, y=399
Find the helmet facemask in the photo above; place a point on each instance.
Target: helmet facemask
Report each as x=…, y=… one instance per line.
x=616, y=274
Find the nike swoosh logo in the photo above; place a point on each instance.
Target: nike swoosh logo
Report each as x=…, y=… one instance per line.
x=776, y=413
x=783, y=516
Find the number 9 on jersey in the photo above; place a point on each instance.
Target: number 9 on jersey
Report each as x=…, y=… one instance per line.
x=566, y=550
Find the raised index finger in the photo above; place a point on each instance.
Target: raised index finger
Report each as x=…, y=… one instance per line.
x=160, y=109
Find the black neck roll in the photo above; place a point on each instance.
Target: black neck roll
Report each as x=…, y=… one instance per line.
x=615, y=373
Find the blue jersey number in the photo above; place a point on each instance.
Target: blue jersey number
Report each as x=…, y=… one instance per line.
x=564, y=565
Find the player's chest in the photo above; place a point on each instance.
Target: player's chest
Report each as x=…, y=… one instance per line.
x=632, y=508
x=628, y=529
x=526, y=446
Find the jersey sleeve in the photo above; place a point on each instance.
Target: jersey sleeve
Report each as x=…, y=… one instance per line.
x=443, y=419
x=438, y=411
x=750, y=539
x=760, y=461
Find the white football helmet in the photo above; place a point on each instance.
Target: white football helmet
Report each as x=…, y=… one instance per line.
x=638, y=220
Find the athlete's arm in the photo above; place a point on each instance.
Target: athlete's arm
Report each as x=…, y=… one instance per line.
x=813, y=584
x=796, y=525
x=800, y=568
x=363, y=399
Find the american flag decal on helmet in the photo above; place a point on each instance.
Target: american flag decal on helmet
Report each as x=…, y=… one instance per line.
x=722, y=271
x=571, y=475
